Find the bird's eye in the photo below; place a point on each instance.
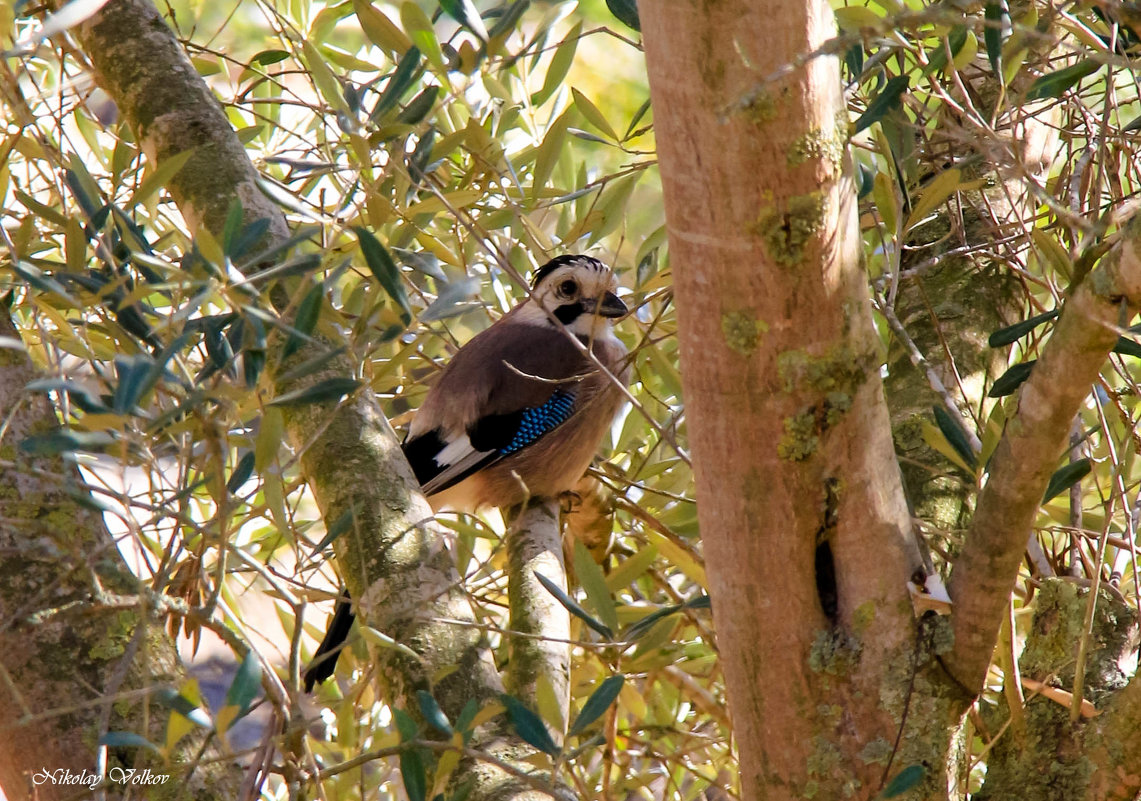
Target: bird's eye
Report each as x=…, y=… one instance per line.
x=567, y=288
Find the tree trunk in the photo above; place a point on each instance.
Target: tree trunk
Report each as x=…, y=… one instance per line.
x=806, y=532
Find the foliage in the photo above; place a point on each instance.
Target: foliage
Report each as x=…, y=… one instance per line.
x=428, y=157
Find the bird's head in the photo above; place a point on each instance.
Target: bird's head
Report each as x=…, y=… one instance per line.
x=579, y=292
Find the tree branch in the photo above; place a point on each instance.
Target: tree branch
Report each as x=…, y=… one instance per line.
x=534, y=547
x=1035, y=440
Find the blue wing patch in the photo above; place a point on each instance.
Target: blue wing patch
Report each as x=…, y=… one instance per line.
x=537, y=421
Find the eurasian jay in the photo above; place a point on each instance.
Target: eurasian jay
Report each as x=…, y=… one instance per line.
x=519, y=410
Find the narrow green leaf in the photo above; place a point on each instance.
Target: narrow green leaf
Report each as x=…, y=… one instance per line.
x=700, y=602
x=508, y=19
x=331, y=389
x=641, y=112
x=160, y=177
x=1012, y=379
x=937, y=56
x=384, y=268
x=419, y=29
x=528, y=725
x=126, y=739
x=594, y=583
x=574, y=608
x=132, y=373
x=595, y=706
x=561, y=63
x=308, y=312
x=592, y=114
x=903, y=781
x=267, y=57
x=1013, y=333
x=379, y=29
x=549, y=151
x=232, y=225
x=241, y=473
x=326, y=82
x=246, y=684
x=170, y=698
x=406, y=725
x=433, y=714
x=336, y=529
x=465, y=13
x=952, y=430
x=382, y=640
x=1055, y=83
x=467, y=715
x=1065, y=477
x=419, y=107
x=637, y=629
x=414, y=774
x=996, y=19
x=398, y=83
x=885, y=101
x=626, y=11
x=44, y=282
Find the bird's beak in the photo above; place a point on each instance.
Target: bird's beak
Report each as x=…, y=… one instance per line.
x=610, y=306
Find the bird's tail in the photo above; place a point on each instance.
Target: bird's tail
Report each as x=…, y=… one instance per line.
x=325, y=659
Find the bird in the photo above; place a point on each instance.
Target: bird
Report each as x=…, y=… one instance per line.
x=519, y=411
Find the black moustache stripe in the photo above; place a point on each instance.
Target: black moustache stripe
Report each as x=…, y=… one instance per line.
x=569, y=312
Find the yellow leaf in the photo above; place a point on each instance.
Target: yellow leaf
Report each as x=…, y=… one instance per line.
x=934, y=437
x=967, y=52
x=269, y=439
x=936, y=192
x=379, y=29
x=323, y=77
x=883, y=192
x=630, y=569
x=1050, y=250
x=420, y=30
x=678, y=556
x=549, y=706
x=493, y=709
x=592, y=114
x=852, y=18
x=453, y=200
x=449, y=760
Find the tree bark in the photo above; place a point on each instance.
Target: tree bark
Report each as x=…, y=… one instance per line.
x=806, y=532
x=73, y=664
